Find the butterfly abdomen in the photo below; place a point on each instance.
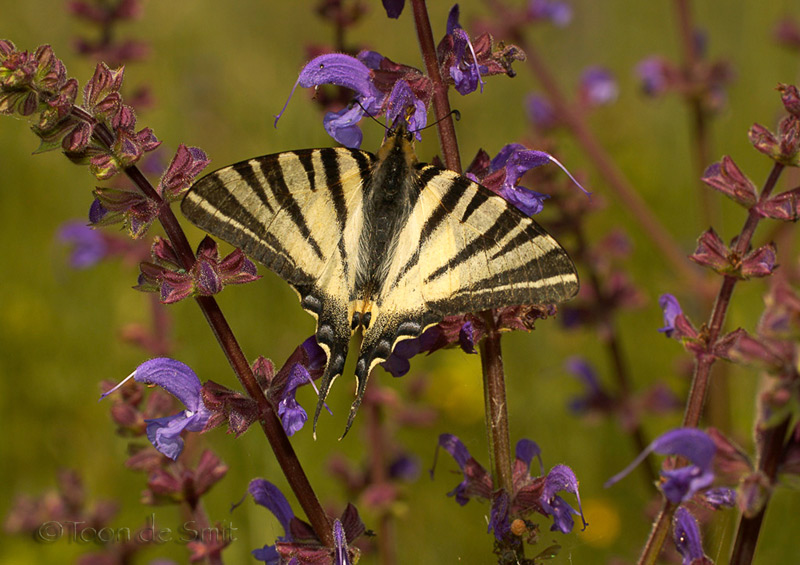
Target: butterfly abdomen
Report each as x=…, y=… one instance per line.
x=389, y=197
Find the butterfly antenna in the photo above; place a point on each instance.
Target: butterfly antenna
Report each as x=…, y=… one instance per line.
x=455, y=113
x=371, y=117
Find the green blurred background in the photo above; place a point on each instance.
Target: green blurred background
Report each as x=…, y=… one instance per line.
x=218, y=72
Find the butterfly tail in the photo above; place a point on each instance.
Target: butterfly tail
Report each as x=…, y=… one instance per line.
x=336, y=357
x=362, y=374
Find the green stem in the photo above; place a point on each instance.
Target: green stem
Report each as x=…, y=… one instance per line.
x=441, y=103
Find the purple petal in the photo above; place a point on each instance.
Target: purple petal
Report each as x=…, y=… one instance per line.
x=298, y=376
x=268, y=554
x=343, y=126
x=316, y=355
x=683, y=483
x=399, y=102
x=466, y=75
x=691, y=443
x=270, y=497
x=88, y=245
x=165, y=434
x=340, y=544
x=466, y=338
x=599, y=86
x=397, y=363
x=293, y=416
x=452, y=19
x=499, y=520
x=526, y=450
x=404, y=467
x=504, y=155
x=341, y=70
x=456, y=448
x=527, y=201
x=393, y=7
x=541, y=112
x=720, y=497
x=561, y=478
x=175, y=377
x=652, y=72
x=520, y=162
x=562, y=514
x=686, y=535
x=558, y=12
x=372, y=59
x=672, y=308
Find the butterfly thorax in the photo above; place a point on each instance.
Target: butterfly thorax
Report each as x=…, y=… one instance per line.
x=388, y=199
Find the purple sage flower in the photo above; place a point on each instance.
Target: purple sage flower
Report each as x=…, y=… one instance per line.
x=516, y=159
x=541, y=112
x=680, y=484
x=180, y=381
x=466, y=75
x=556, y=11
x=594, y=396
x=598, y=86
x=88, y=245
x=720, y=497
x=292, y=415
x=397, y=104
x=528, y=494
x=341, y=70
x=654, y=72
x=396, y=96
x=672, y=308
x=561, y=478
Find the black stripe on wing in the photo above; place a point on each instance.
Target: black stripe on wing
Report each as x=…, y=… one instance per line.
x=273, y=172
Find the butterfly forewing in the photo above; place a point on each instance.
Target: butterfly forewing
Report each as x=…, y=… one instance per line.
x=479, y=252
x=297, y=213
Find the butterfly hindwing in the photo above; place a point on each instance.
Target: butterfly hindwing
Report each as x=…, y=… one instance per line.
x=462, y=249
x=501, y=256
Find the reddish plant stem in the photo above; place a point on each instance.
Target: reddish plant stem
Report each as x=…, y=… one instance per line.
x=747, y=533
x=270, y=423
x=703, y=363
x=496, y=406
x=441, y=103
